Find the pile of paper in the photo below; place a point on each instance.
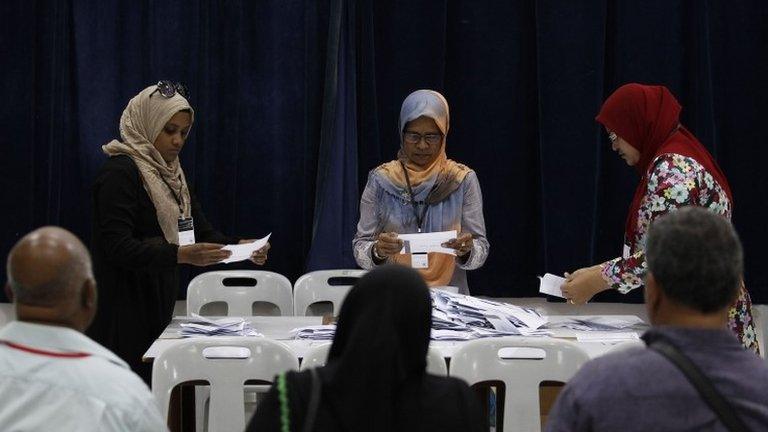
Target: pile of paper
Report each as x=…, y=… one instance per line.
x=461, y=317
x=202, y=326
x=318, y=332
x=599, y=323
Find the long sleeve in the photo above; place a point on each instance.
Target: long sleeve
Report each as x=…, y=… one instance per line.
x=117, y=213
x=473, y=222
x=567, y=415
x=367, y=226
x=676, y=181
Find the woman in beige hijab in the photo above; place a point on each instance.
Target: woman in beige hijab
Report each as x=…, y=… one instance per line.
x=146, y=223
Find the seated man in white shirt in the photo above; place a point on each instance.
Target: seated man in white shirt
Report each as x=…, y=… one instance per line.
x=52, y=376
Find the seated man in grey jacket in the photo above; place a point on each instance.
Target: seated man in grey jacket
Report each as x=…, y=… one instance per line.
x=52, y=376
x=695, y=268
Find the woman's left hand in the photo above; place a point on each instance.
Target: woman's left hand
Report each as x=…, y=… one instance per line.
x=463, y=244
x=258, y=257
x=581, y=285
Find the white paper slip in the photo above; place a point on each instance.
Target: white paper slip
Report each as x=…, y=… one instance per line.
x=241, y=252
x=427, y=242
x=607, y=336
x=550, y=284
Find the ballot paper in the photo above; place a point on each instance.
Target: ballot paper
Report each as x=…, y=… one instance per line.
x=230, y=326
x=318, y=332
x=244, y=251
x=427, y=242
x=599, y=323
x=550, y=284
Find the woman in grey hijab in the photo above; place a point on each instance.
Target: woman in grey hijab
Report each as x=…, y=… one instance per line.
x=423, y=191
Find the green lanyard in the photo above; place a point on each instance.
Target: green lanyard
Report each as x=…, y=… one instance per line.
x=285, y=414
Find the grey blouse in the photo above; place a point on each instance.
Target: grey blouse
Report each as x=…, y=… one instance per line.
x=384, y=208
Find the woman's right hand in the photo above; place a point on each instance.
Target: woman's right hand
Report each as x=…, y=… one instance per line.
x=388, y=244
x=202, y=254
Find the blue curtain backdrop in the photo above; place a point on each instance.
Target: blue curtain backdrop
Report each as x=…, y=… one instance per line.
x=296, y=100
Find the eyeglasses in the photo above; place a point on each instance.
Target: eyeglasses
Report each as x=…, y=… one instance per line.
x=612, y=136
x=169, y=88
x=415, y=138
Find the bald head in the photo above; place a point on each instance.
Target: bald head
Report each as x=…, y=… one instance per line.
x=48, y=271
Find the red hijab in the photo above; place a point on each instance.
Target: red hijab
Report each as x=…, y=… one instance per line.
x=648, y=118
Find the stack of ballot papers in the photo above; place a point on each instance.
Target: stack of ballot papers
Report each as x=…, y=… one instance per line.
x=599, y=323
x=461, y=317
x=318, y=332
x=230, y=326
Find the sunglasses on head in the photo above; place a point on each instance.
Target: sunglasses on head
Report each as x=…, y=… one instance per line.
x=169, y=88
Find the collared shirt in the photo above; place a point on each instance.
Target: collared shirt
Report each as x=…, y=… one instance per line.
x=56, y=378
x=640, y=390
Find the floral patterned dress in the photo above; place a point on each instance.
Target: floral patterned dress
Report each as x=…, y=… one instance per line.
x=677, y=181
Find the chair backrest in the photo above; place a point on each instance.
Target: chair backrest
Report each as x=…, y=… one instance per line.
x=525, y=364
x=319, y=286
x=318, y=355
x=226, y=363
x=245, y=288
x=436, y=363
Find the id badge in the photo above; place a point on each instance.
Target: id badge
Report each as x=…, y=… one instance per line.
x=627, y=252
x=186, y=231
x=420, y=260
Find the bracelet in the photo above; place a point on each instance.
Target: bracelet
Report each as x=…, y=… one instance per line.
x=376, y=254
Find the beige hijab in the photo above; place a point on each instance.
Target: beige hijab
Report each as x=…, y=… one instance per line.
x=142, y=121
x=449, y=174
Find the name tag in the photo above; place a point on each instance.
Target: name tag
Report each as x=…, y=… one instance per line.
x=186, y=231
x=419, y=260
x=627, y=252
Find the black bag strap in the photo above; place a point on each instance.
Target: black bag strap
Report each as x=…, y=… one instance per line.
x=314, y=401
x=704, y=386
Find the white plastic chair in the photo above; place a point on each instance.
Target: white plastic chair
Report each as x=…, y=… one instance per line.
x=526, y=363
x=318, y=355
x=436, y=363
x=226, y=363
x=314, y=287
x=269, y=287
x=264, y=286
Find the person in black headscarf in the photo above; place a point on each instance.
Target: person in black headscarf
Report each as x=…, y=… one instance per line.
x=375, y=378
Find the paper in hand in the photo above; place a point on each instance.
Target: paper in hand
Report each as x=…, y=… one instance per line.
x=427, y=242
x=241, y=252
x=550, y=284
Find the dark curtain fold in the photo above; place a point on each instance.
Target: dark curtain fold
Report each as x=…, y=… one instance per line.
x=296, y=100
x=336, y=186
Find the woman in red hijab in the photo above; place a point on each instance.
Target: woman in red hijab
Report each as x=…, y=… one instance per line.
x=643, y=124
